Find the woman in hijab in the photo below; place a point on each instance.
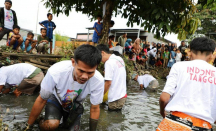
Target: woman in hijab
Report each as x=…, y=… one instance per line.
x=137, y=46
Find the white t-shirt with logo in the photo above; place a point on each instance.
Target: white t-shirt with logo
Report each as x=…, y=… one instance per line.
x=60, y=77
x=192, y=85
x=14, y=74
x=8, y=19
x=115, y=72
x=145, y=80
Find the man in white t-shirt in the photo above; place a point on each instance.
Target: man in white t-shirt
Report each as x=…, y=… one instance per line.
x=115, y=78
x=65, y=87
x=8, y=19
x=23, y=77
x=190, y=91
x=146, y=81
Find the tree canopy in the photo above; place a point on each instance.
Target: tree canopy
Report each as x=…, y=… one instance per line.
x=157, y=16
x=207, y=18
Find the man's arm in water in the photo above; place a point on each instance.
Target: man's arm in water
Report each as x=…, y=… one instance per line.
x=107, y=85
x=94, y=116
x=36, y=109
x=141, y=87
x=164, y=100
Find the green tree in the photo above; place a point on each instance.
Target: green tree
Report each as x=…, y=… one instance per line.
x=207, y=17
x=158, y=16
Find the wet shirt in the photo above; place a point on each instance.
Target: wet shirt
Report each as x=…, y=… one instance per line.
x=192, y=86
x=59, y=81
x=50, y=26
x=8, y=19
x=145, y=80
x=14, y=74
x=115, y=72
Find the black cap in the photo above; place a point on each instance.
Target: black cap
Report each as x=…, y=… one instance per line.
x=8, y=1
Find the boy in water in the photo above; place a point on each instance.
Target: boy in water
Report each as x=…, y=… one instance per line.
x=50, y=26
x=15, y=39
x=28, y=43
x=98, y=26
x=189, y=94
x=43, y=42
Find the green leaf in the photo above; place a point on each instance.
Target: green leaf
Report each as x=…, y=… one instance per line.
x=168, y=27
x=155, y=11
x=161, y=25
x=209, y=2
x=157, y=16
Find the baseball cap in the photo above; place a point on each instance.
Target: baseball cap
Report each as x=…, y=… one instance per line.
x=8, y=1
x=133, y=76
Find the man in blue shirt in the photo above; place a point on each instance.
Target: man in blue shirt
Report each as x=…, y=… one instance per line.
x=50, y=27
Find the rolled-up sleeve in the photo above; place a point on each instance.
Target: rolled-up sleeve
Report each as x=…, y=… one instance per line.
x=171, y=83
x=47, y=86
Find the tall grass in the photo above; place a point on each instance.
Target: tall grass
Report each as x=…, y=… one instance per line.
x=59, y=37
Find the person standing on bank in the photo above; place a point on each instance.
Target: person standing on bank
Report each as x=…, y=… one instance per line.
x=65, y=87
x=122, y=39
x=115, y=78
x=8, y=19
x=50, y=26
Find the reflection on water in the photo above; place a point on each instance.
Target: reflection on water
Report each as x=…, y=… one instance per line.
x=141, y=112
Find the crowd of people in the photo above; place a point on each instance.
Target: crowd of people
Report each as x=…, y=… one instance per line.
x=189, y=95
x=9, y=26
x=152, y=54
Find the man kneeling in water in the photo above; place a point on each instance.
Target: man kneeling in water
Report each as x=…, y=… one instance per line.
x=24, y=77
x=146, y=81
x=65, y=87
x=190, y=92
x=115, y=79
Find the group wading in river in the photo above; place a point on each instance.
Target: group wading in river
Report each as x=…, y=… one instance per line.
x=187, y=102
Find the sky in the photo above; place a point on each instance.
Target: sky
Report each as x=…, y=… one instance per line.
x=76, y=22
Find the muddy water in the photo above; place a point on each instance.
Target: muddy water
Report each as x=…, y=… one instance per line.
x=141, y=112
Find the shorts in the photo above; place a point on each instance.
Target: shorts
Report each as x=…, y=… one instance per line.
x=15, y=44
x=54, y=111
x=116, y=105
x=95, y=39
x=28, y=86
x=177, y=121
x=28, y=48
x=50, y=40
